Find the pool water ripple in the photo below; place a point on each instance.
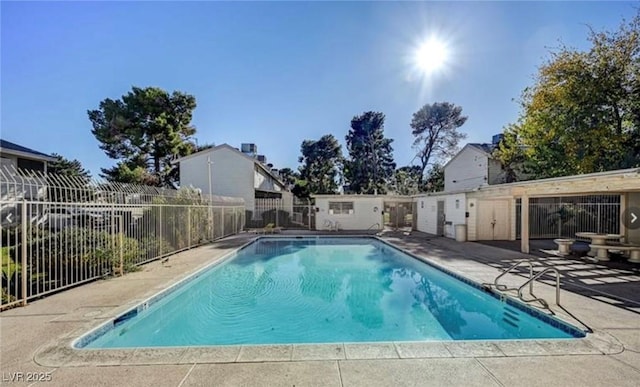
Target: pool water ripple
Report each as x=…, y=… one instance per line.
x=319, y=290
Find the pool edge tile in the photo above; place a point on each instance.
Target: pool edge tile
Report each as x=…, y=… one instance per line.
x=462, y=349
x=204, y=355
x=260, y=353
x=155, y=356
x=569, y=347
x=320, y=351
x=363, y=351
x=422, y=350
x=515, y=348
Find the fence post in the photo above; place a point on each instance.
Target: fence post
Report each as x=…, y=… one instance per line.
x=160, y=232
x=121, y=236
x=309, y=214
x=189, y=227
x=24, y=252
x=222, y=223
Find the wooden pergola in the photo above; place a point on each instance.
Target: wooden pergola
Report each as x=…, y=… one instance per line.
x=625, y=182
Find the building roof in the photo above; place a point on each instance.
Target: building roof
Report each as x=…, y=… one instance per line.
x=227, y=146
x=620, y=180
x=395, y=198
x=485, y=149
x=13, y=148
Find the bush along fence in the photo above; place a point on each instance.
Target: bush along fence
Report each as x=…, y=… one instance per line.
x=59, y=231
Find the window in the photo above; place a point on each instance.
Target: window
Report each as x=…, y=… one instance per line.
x=341, y=208
x=30, y=165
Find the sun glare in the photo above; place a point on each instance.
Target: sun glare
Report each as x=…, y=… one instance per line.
x=431, y=56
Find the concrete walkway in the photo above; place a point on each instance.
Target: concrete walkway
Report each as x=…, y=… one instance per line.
x=35, y=339
x=615, y=282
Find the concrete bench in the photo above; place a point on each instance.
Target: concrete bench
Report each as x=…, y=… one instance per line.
x=564, y=246
x=602, y=251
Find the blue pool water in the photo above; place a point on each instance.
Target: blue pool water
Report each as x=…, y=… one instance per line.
x=322, y=290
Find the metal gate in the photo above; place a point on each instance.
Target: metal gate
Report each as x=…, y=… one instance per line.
x=398, y=215
x=563, y=217
x=292, y=213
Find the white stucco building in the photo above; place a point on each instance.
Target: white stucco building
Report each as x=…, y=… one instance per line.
x=438, y=213
x=224, y=170
x=363, y=212
x=472, y=167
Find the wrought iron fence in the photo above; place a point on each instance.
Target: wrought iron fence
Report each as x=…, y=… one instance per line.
x=287, y=213
x=563, y=217
x=59, y=231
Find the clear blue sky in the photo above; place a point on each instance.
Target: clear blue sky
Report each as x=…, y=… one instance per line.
x=275, y=74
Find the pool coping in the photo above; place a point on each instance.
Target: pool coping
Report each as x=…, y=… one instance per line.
x=62, y=351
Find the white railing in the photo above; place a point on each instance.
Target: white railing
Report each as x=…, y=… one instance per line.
x=563, y=217
x=76, y=230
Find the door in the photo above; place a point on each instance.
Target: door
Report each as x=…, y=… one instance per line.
x=414, y=216
x=493, y=220
x=440, y=219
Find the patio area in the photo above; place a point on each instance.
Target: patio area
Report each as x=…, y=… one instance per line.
x=614, y=282
x=35, y=338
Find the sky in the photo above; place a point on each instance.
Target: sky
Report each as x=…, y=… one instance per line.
x=277, y=73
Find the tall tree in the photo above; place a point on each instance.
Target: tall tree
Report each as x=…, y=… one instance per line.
x=582, y=114
x=320, y=160
x=435, y=178
x=205, y=146
x=144, y=131
x=370, y=167
x=511, y=155
x=68, y=181
x=69, y=168
x=406, y=180
x=288, y=176
x=435, y=128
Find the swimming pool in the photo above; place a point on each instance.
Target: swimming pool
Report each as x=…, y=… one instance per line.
x=322, y=290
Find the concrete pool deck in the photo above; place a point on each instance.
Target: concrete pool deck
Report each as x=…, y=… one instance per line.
x=35, y=340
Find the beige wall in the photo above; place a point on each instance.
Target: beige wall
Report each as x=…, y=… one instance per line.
x=633, y=236
x=472, y=220
x=363, y=215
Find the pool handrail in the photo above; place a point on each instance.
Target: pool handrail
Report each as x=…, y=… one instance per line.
x=538, y=275
x=504, y=288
